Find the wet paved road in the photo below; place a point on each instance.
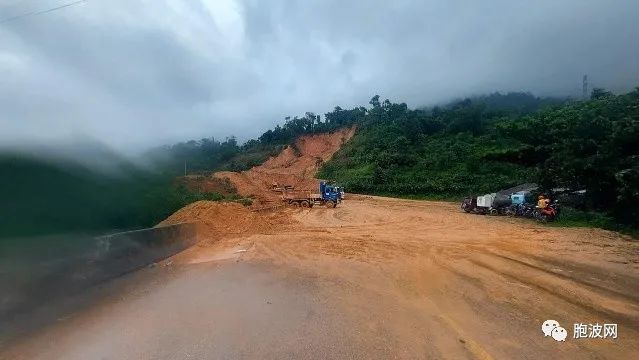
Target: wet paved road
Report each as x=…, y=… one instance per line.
x=215, y=310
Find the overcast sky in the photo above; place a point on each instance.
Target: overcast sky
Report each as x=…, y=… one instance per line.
x=138, y=73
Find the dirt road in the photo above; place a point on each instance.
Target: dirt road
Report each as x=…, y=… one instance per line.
x=373, y=278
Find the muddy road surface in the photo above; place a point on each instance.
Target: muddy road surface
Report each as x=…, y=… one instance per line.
x=373, y=278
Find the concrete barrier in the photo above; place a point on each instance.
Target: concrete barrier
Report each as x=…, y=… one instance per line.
x=52, y=269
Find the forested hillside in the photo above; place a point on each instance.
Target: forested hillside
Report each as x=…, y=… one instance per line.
x=49, y=197
x=40, y=196
x=470, y=147
x=512, y=103
x=208, y=154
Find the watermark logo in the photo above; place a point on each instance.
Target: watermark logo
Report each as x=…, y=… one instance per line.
x=553, y=329
x=580, y=331
x=559, y=334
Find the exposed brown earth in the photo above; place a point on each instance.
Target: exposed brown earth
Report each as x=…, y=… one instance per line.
x=226, y=219
x=295, y=165
x=373, y=278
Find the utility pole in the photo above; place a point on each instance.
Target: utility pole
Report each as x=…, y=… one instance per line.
x=585, y=88
x=184, y=167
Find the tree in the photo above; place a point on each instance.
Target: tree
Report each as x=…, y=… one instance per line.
x=599, y=93
x=375, y=102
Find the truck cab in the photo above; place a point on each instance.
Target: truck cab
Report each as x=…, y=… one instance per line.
x=330, y=192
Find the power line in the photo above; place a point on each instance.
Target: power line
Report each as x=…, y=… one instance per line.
x=40, y=12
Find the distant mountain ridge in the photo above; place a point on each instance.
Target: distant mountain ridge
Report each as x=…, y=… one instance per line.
x=519, y=103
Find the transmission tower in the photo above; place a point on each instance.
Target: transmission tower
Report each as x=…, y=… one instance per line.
x=585, y=88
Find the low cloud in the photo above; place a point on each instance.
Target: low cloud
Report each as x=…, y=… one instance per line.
x=140, y=73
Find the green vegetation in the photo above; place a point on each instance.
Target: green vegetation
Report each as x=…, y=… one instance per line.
x=571, y=217
x=41, y=197
x=45, y=197
x=590, y=145
x=513, y=103
x=208, y=155
x=476, y=145
x=470, y=147
x=201, y=156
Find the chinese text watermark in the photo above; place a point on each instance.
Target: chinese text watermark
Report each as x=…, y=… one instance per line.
x=580, y=330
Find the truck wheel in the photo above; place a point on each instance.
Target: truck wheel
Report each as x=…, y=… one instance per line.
x=331, y=204
x=305, y=204
x=295, y=204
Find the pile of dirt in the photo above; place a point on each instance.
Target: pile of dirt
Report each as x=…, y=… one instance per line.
x=296, y=165
x=225, y=219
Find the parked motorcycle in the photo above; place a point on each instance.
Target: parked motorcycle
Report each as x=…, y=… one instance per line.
x=521, y=210
x=550, y=213
x=528, y=210
x=469, y=204
x=511, y=210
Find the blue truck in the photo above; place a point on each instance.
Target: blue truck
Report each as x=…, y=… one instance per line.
x=329, y=195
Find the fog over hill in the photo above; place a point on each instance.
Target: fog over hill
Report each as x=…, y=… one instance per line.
x=138, y=73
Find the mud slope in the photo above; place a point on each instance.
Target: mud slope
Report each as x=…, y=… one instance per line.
x=295, y=165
